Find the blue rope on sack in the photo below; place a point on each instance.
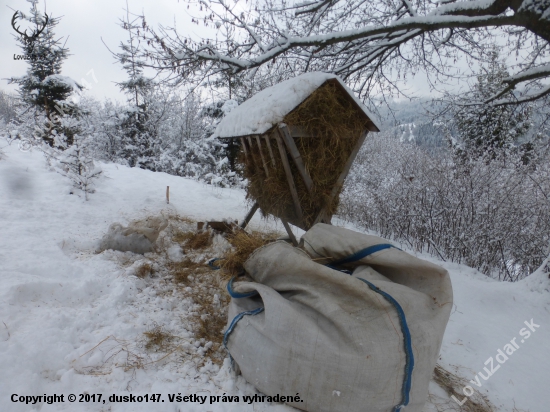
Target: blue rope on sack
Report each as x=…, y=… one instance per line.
x=407, y=342
x=238, y=295
x=234, y=322
x=409, y=363
x=362, y=254
x=230, y=289
x=235, y=295
x=211, y=264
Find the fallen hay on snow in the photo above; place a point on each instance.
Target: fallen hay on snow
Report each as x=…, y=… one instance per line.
x=453, y=385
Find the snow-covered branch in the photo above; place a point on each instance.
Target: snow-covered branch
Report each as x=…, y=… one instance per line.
x=352, y=38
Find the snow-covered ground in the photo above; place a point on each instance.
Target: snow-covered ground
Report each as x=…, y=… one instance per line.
x=72, y=320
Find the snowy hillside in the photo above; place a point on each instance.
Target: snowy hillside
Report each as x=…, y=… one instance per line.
x=72, y=321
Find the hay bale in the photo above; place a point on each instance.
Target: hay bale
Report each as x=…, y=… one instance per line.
x=336, y=124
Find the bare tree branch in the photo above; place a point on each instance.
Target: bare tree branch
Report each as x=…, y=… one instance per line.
x=358, y=39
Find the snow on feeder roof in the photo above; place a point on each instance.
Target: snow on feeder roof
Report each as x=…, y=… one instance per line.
x=298, y=140
x=270, y=106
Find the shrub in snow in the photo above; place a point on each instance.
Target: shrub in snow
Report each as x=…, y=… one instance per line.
x=175, y=140
x=491, y=216
x=81, y=170
x=76, y=164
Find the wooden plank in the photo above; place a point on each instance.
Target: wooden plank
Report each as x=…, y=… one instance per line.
x=243, y=144
x=320, y=217
x=249, y=215
x=291, y=185
x=224, y=227
x=340, y=181
x=289, y=231
x=298, y=161
x=249, y=140
x=268, y=142
x=262, y=155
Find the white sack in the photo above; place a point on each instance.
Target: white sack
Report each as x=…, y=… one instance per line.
x=139, y=237
x=327, y=335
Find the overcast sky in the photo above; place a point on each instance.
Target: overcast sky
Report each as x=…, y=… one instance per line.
x=84, y=23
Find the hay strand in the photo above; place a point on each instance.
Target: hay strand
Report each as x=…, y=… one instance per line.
x=243, y=244
x=453, y=384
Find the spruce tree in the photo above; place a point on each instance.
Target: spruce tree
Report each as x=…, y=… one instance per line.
x=43, y=89
x=139, y=131
x=489, y=131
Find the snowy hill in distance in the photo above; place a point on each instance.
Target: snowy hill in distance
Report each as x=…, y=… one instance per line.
x=409, y=122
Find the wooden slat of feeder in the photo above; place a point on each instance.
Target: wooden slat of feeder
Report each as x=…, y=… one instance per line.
x=262, y=155
x=340, y=181
x=249, y=215
x=243, y=144
x=249, y=140
x=224, y=227
x=289, y=231
x=322, y=217
x=266, y=137
x=291, y=145
x=289, y=178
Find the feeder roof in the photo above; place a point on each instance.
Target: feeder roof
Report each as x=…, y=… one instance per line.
x=270, y=106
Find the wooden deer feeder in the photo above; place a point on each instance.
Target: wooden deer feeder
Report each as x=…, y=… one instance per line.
x=298, y=141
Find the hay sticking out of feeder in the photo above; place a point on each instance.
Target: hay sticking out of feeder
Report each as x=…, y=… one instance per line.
x=336, y=125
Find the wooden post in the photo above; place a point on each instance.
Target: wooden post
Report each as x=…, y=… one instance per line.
x=168, y=194
x=262, y=155
x=289, y=178
x=268, y=142
x=289, y=231
x=249, y=215
x=298, y=161
x=340, y=181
